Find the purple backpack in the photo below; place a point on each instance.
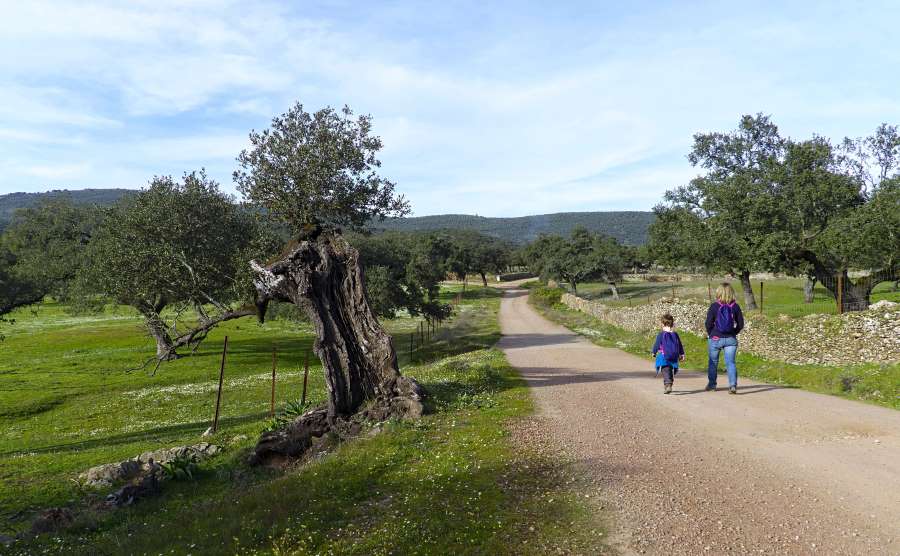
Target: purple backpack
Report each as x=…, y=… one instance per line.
x=725, y=318
x=669, y=346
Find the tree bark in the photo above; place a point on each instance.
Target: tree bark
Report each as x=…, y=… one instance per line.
x=809, y=289
x=856, y=296
x=615, y=290
x=749, y=297
x=322, y=275
x=165, y=348
x=483, y=279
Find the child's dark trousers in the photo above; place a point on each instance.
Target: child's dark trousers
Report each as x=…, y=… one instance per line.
x=668, y=374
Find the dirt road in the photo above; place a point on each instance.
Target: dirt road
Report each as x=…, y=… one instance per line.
x=771, y=470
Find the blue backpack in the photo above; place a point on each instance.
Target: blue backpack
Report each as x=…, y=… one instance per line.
x=725, y=318
x=669, y=346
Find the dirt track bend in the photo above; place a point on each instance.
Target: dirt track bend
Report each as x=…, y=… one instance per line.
x=771, y=470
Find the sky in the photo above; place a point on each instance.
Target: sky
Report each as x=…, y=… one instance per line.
x=491, y=108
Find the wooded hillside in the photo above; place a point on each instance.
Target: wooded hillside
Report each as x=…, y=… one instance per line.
x=629, y=227
x=10, y=202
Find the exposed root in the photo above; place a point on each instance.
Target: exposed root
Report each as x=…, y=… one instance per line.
x=293, y=442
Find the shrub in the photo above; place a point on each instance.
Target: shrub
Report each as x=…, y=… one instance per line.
x=546, y=295
x=182, y=468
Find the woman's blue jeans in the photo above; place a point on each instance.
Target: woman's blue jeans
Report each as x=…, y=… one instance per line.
x=729, y=346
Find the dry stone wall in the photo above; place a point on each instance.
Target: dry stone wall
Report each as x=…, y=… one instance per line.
x=871, y=336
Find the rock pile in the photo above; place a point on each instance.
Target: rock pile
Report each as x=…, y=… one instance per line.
x=145, y=464
x=871, y=336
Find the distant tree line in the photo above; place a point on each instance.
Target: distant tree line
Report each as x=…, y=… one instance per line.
x=178, y=251
x=628, y=227
x=764, y=203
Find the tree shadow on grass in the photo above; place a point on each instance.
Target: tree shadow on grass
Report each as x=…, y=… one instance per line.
x=162, y=434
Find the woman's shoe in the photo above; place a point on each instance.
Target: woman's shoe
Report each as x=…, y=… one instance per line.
x=710, y=387
x=732, y=390
x=668, y=389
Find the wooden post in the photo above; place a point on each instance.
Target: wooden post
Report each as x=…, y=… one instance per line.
x=305, y=377
x=411, y=348
x=673, y=292
x=215, y=424
x=761, y=283
x=272, y=404
x=840, y=293
x=709, y=291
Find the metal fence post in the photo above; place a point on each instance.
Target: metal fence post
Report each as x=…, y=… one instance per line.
x=272, y=404
x=840, y=293
x=215, y=424
x=305, y=377
x=760, y=297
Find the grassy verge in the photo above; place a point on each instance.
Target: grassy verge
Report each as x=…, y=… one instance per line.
x=454, y=482
x=879, y=384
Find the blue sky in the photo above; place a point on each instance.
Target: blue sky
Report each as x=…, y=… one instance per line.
x=490, y=108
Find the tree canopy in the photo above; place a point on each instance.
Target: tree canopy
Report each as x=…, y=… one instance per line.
x=581, y=256
x=183, y=245
x=802, y=207
x=318, y=171
x=48, y=243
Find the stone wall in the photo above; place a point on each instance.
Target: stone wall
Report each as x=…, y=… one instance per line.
x=871, y=336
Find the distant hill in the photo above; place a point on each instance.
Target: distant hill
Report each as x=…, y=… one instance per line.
x=629, y=227
x=10, y=202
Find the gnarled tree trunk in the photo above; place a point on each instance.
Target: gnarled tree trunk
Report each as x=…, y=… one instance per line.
x=165, y=348
x=614, y=290
x=749, y=297
x=323, y=276
x=809, y=286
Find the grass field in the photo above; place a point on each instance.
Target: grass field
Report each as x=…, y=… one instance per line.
x=454, y=482
x=879, y=384
x=782, y=296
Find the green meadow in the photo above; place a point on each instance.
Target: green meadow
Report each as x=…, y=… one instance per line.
x=453, y=482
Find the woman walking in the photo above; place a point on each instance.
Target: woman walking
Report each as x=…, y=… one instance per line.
x=724, y=321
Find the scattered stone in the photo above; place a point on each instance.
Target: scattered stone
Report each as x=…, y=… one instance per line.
x=110, y=473
x=238, y=439
x=147, y=463
x=145, y=486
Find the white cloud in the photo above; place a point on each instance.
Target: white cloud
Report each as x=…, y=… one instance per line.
x=519, y=111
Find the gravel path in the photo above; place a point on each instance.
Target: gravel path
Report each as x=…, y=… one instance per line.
x=771, y=470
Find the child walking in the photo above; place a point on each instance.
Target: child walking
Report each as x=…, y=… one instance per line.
x=668, y=351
